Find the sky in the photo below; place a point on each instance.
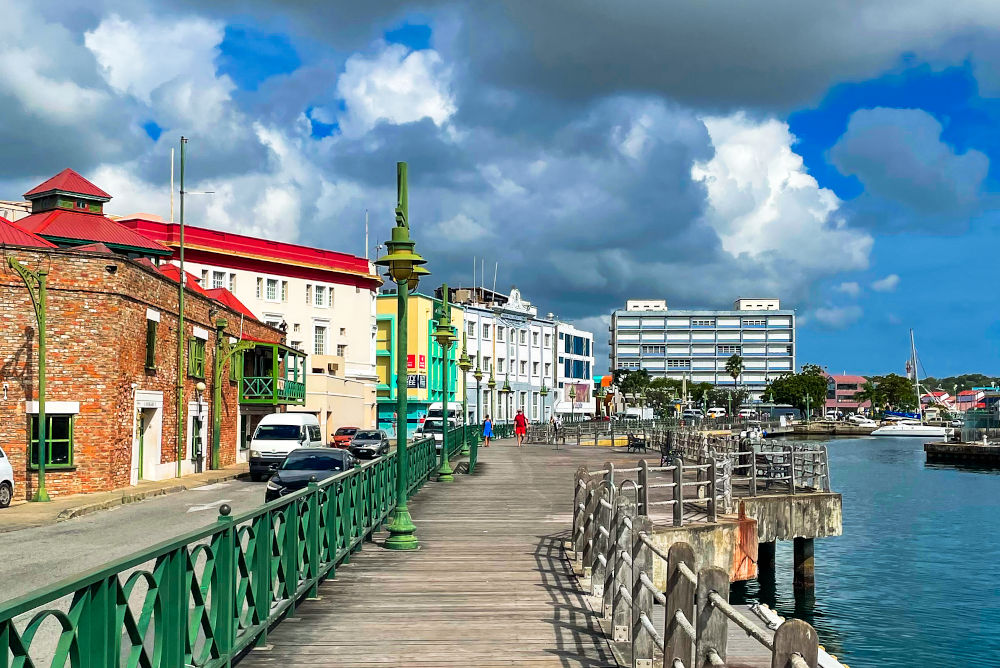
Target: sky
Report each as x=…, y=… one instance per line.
x=840, y=158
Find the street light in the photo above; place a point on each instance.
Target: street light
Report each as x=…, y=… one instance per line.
x=808, y=405
x=400, y=262
x=445, y=339
x=506, y=392
x=492, y=385
x=572, y=403
x=544, y=392
x=465, y=365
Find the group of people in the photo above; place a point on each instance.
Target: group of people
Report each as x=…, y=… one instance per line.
x=520, y=428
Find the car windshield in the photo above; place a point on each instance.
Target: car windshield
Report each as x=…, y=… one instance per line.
x=313, y=461
x=432, y=426
x=368, y=436
x=278, y=432
x=346, y=431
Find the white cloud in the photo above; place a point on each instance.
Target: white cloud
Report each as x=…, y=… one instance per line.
x=837, y=317
x=396, y=86
x=461, y=229
x=887, y=284
x=764, y=203
x=849, y=288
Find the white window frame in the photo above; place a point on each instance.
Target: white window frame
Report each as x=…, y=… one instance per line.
x=268, y=283
x=316, y=329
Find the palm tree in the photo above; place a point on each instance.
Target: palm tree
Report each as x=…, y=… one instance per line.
x=870, y=392
x=734, y=367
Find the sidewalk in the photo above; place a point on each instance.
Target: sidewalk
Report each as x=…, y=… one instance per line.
x=27, y=515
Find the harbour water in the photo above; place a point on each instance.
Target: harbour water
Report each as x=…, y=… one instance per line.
x=915, y=579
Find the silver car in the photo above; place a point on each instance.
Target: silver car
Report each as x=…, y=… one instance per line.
x=369, y=443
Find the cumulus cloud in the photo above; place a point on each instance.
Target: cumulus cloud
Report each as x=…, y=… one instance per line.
x=396, y=86
x=836, y=317
x=849, y=288
x=887, y=284
x=899, y=156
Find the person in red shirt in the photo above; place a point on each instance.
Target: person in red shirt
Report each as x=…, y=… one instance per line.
x=520, y=427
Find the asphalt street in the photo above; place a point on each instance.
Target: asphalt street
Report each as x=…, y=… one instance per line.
x=33, y=558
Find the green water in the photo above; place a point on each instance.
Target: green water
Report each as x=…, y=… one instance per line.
x=914, y=579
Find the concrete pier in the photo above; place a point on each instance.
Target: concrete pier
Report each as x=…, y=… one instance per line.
x=804, y=566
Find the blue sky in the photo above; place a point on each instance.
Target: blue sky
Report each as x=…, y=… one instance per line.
x=840, y=157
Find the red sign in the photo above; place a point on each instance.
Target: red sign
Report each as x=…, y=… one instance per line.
x=423, y=361
x=411, y=361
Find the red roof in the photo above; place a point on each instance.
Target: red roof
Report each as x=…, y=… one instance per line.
x=12, y=235
x=67, y=181
x=173, y=272
x=227, y=298
x=80, y=226
x=244, y=252
x=848, y=379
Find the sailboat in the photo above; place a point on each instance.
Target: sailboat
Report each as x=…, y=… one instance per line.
x=915, y=427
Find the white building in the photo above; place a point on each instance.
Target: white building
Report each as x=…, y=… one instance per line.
x=506, y=337
x=324, y=300
x=695, y=344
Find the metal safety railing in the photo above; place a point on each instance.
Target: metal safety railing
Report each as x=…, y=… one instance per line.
x=203, y=598
x=614, y=546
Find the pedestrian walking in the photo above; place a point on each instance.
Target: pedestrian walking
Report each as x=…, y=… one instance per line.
x=520, y=427
x=487, y=431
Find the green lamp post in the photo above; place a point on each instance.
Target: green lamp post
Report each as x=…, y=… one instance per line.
x=572, y=403
x=445, y=339
x=506, y=392
x=544, y=392
x=491, y=385
x=704, y=403
x=808, y=406
x=400, y=262
x=37, y=291
x=465, y=365
x=478, y=375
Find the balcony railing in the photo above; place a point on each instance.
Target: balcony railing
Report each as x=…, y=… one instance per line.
x=270, y=390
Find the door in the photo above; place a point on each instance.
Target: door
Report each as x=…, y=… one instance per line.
x=141, y=420
x=196, y=444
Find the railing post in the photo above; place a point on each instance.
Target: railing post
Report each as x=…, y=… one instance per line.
x=680, y=599
x=224, y=592
x=262, y=540
x=713, y=514
x=791, y=469
x=621, y=612
x=605, y=492
x=312, y=539
x=642, y=598
x=98, y=632
x=175, y=599
x=609, y=472
x=753, y=471
x=795, y=636
x=711, y=625
x=589, y=527
x=643, y=484
x=826, y=469
x=678, y=492
x=579, y=499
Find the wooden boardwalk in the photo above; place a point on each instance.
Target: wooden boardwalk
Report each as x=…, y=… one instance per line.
x=489, y=587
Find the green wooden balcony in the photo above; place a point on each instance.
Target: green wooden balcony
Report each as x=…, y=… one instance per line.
x=272, y=391
x=273, y=375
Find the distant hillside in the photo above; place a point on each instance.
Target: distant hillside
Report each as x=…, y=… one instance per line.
x=954, y=384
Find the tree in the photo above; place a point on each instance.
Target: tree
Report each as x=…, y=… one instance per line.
x=871, y=393
x=792, y=388
x=734, y=366
x=897, y=391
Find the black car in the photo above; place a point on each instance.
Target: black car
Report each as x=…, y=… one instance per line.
x=369, y=443
x=303, y=464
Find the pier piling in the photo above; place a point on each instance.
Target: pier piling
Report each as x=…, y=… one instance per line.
x=804, y=565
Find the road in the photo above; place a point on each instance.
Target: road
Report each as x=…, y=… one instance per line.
x=33, y=558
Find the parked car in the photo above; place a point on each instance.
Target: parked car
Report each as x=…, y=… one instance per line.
x=370, y=443
x=276, y=436
x=748, y=413
x=716, y=412
x=6, y=480
x=692, y=414
x=304, y=464
x=432, y=427
x=342, y=437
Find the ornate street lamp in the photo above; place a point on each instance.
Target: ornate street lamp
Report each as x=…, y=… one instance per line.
x=572, y=403
x=506, y=391
x=445, y=338
x=492, y=385
x=544, y=392
x=400, y=262
x=464, y=365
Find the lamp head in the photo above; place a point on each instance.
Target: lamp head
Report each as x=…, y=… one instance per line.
x=200, y=386
x=544, y=391
x=416, y=274
x=401, y=257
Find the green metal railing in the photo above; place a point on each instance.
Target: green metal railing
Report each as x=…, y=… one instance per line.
x=270, y=390
x=206, y=596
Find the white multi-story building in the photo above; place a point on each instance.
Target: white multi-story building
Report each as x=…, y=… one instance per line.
x=324, y=300
x=506, y=337
x=695, y=344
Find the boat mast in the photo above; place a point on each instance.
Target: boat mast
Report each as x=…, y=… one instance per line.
x=916, y=381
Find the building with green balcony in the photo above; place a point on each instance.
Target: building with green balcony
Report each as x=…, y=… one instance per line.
x=271, y=375
x=423, y=358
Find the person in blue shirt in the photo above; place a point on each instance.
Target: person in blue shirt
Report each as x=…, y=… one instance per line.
x=487, y=431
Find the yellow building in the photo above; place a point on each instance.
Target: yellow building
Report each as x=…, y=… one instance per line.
x=423, y=358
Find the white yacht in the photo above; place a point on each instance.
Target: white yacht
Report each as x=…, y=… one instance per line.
x=911, y=428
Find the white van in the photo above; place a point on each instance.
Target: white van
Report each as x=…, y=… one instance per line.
x=276, y=436
x=432, y=427
x=436, y=410
x=716, y=412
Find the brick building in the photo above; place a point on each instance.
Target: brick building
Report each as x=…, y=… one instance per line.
x=112, y=370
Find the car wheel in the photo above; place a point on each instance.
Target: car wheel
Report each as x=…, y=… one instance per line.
x=256, y=477
x=6, y=493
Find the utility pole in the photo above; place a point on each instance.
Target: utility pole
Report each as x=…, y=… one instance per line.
x=180, y=326
x=224, y=352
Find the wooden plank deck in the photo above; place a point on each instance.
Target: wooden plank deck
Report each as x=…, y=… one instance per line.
x=489, y=587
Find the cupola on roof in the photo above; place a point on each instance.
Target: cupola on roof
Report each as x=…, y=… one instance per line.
x=67, y=181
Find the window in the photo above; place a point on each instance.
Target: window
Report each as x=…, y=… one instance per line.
x=534, y=338
x=296, y=327
x=678, y=364
x=272, y=290
x=561, y=336
x=654, y=350
x=218, y=279
x=471, y=328
x=329, y=297
x=309, y=294
x=548, y=368
x=343, y=331
x=232, y=282
x=319, y=340
x=500, y=361
x=59, y=441
x=702, y=323
x=486, y=331
x=151, y=344
x=500, y=331
x=341, y=349
x=204, y=278
x=754, y=323
x=196, y=357
x=628, y=365
x=284, y=291
x=260, y=287
x=560, y=359
x=320, y=295
x=524, y=367
x=548, y=340
x=524, y=337
x=729, y=350
x=534, y=368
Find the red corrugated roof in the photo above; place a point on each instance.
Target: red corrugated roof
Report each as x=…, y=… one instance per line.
x=227, y=298
x=173, y=272
x=80, y=226
x=12, y=235
x=848, y=378
x=68, y=181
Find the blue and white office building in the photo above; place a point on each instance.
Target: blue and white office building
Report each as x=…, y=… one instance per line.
x=695, y=344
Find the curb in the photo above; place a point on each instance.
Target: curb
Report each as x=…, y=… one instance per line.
x=134, y=497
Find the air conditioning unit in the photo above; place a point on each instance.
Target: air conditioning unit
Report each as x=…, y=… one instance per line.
x=331, y=368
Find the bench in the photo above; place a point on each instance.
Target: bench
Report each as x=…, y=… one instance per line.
x=636, y=443
x=769, y=469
